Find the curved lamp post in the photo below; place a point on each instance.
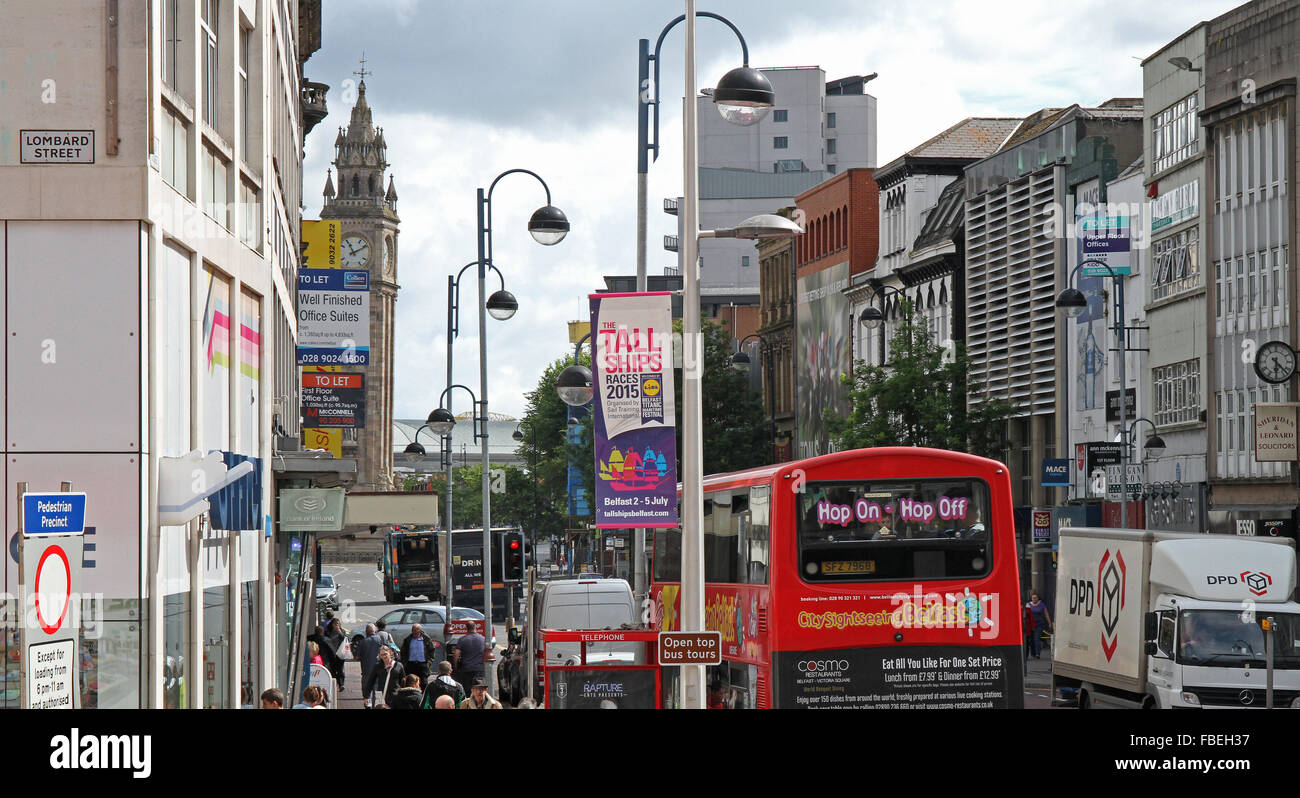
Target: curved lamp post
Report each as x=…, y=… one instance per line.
x=692, y=473
x=874, y=318
x=1072, y=303
x=548, y=226
x=740, y=362
x=743, y=97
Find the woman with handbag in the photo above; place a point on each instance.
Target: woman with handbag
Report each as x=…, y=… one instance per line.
x=385, y=678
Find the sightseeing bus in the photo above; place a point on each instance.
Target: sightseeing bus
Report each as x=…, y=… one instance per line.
x=873, y=578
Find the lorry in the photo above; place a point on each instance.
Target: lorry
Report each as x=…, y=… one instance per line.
x=1158, y=620
x=410, y=565
x=467, y=570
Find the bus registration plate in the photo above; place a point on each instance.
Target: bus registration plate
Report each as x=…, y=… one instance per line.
x=849, y=567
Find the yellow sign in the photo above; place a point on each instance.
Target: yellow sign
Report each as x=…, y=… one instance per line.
x=651, y=387
x=328, y=439
x=321, y=244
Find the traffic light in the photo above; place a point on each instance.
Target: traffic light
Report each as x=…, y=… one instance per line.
x=512, y=557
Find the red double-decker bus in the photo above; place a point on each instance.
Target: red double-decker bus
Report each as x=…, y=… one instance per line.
x=873, y=578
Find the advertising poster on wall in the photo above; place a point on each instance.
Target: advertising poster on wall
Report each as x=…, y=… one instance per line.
x=823, y=352
x=634, y=411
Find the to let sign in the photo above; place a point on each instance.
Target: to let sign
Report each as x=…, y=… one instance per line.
x=690, y=648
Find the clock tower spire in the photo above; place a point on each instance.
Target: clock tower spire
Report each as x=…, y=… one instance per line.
x=368, y=222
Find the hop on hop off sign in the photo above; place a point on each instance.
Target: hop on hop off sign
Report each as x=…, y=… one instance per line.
x=635, y=441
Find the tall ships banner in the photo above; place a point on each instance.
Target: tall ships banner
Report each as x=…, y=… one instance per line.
x=634, y=412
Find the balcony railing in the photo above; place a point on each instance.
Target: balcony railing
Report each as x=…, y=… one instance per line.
x=670, y=243
x=670, y=207
x=313, y=104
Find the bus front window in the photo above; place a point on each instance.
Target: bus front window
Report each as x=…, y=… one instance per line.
x=888, y=530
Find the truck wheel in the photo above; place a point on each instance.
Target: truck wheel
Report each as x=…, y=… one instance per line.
x=1083, y=699
x=1150, y=703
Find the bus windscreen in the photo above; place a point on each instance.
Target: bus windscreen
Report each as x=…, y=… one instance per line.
x=894, y=529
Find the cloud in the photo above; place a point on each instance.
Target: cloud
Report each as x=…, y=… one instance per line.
x=467, y=90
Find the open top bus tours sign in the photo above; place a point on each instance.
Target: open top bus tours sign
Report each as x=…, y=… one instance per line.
x=634, y=437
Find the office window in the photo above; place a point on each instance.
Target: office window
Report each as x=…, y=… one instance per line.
x=780, y=115
x=216, y=173
x=175, y=150
x=244, y=44
x=830, y=120
x=1175, y=133
x=210, y=65
x=1177, y=264
x=1177, y=392
x=171, y=42
x=780, y=142
x=830, y=146
x=830, y=168
x=250, y=215
x=744, y=261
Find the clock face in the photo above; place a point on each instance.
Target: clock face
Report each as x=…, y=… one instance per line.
x=1275, y=362
x=356, y=251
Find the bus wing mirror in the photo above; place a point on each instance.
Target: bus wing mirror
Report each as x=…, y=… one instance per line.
x=1151, y=648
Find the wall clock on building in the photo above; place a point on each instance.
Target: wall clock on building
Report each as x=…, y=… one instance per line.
x=356, y=252
x=1275, y=362
x=389, y=259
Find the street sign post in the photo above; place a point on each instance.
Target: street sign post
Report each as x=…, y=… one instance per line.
x=49, y=562
x=690, y=648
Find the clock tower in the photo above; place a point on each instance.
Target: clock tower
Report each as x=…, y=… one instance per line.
x=367, y=215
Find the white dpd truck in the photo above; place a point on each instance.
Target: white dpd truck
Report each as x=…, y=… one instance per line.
x=1167, y=619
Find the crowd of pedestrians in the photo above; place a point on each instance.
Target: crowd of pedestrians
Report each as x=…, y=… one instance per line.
x=399, y=677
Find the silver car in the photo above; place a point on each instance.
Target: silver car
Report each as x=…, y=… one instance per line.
x=327, y=592
x=431, y=618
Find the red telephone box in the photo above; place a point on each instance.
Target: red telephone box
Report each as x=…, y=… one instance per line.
x=613, y=669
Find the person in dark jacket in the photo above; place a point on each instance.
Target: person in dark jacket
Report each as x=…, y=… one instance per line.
x=442, y=685
x=418, y=651
x=329, y=657
x=336, y=639
x=385, y=678
x=368, y=655
x=408, y=695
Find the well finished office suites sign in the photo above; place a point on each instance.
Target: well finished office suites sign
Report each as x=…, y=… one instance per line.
x=634, y=436
x=333, y=317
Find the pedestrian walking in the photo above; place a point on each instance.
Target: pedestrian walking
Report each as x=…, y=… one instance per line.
x=336, y=643
x=479, y=698
x=368, y=655
x=417, y=652
x=272, y=699
x=313, y=697
x=409, y=694
x=385, y=678
x=382, y=625
x=443, y=685
x=471, y=645
x=1042, y=621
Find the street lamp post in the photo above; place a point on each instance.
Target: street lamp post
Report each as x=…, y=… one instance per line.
x=548, y=226
x=1073, y=303
x=874, y=319
x=1153, y=446
x=740, y=362
x=743, y=96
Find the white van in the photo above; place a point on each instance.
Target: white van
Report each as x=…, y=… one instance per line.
x=583, y=603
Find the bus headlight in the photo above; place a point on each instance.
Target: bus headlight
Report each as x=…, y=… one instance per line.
x=1191, y=698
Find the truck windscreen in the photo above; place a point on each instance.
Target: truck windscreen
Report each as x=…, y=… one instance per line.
x=894, y=529
x=415, y=552
x=1222, y=638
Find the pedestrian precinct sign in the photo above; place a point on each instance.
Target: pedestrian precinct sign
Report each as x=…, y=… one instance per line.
x=54, y=514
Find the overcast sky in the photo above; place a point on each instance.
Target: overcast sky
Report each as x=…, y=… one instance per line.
x=466, y=90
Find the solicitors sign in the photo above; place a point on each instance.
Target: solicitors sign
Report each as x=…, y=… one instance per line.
x=1275, y=432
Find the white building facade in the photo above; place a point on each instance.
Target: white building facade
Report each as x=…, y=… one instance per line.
x=158, y=274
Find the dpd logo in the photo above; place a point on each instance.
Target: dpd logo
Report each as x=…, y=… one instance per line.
x=1112, y=576
x=1256, y=583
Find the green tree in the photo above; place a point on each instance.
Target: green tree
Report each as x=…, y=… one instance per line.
x=735, y=427
x=546, y=452
x=920, y=399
